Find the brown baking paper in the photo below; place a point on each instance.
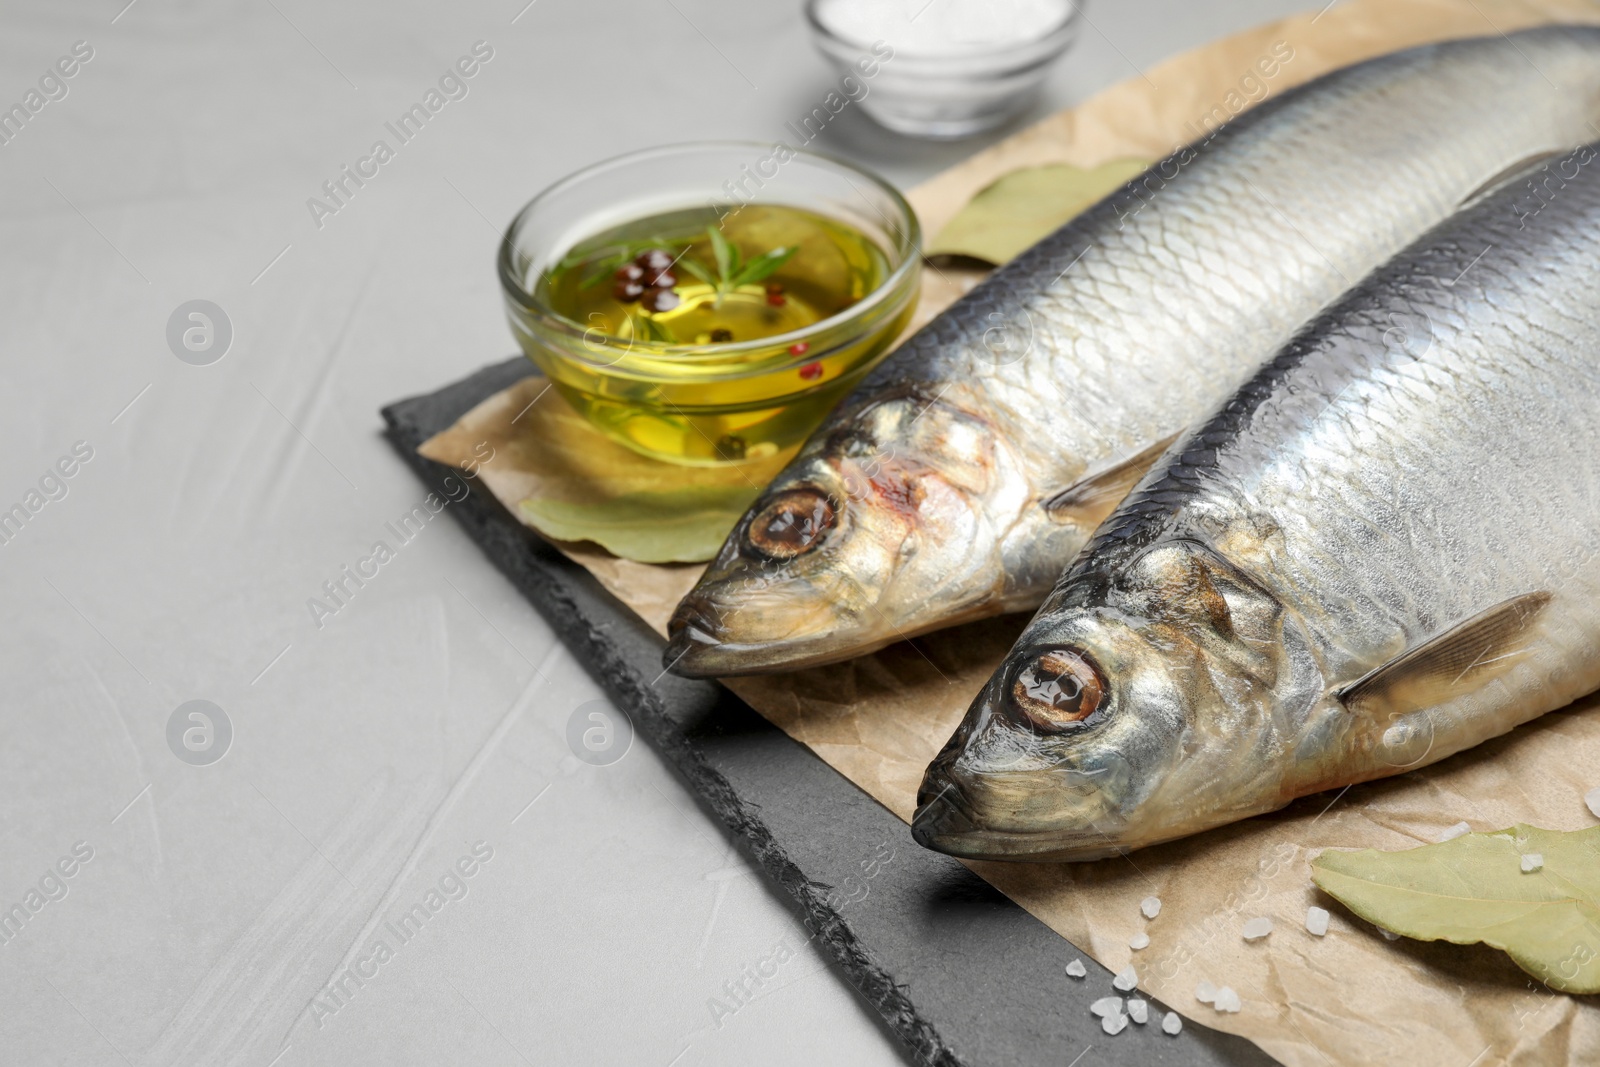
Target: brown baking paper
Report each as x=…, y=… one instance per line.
x=1350, y=997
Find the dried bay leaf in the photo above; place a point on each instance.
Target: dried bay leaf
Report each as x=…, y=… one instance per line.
x=1027, y=205
x=1473, y=889
x=572, y=483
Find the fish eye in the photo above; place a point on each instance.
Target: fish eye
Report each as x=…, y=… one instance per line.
x=791, y=523
x=1058, y=690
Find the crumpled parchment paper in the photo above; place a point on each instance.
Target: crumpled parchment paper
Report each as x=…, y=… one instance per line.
x=1350, y=997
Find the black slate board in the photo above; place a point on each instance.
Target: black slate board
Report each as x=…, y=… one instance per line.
x=960, y=974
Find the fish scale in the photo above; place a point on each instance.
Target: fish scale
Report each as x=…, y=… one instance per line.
x=1401, y=537
x=1113, y=334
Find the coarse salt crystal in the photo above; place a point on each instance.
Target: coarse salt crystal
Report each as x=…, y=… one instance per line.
x=1151, y=906
x=1172, y=1024
x=1532, y=861
x=1317, y=920
x=1076, y=969
x=1106, y=1006
x=1228, y=1000
x=1139, y=941
x=1257, y=928
x=1388, y=936
x=1592, y=798
x=1205, y=993
x=1138, y=1010
x=1126, y=979
x=1453, y=832
x=1114, y=1024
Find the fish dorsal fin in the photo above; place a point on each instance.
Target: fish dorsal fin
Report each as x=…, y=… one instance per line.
x=1093, y=498
x=1457, y=661
x=1506, y=175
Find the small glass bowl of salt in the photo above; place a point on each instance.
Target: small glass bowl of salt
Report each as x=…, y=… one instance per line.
x=943, y=68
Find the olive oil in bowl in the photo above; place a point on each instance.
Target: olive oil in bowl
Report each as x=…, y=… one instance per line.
x=689, y=278
x=713, y=334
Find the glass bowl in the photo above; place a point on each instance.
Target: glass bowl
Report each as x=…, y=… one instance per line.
x=715, y=403
x=942, y=70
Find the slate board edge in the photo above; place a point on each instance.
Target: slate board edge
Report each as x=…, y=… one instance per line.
x=500, y=537
x=634, y=693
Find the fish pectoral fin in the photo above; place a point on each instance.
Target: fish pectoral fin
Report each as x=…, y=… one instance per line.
x=1505, y=175
x=1091, y=499
x=1457, y=661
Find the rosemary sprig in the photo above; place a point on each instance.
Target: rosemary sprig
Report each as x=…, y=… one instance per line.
x=732, y=270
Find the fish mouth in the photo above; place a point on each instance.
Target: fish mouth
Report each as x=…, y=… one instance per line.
x=691, y=641
x=699, y=647
x=945, y=822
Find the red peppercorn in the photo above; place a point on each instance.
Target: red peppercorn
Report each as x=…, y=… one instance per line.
x=799, y=348
x=661, y=279
x=659, y=300
x=811, y=372
x=627, y=291
x=630, y=272
x=776, y=300
x=720, y=335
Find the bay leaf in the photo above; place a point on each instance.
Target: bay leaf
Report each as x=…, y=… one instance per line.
x=560, y=475
x=1473, y=889
x=679, y=526
x=1023, y=207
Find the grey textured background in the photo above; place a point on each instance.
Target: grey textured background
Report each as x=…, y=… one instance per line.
x=430, y=712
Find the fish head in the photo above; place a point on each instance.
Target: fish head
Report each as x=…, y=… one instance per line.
x=877, y=530
x=1141, y=704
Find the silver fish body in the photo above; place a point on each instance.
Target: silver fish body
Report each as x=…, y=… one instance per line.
x=920, y=503
x=1416, y=470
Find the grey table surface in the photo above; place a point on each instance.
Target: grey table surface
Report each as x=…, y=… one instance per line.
x=362, y=758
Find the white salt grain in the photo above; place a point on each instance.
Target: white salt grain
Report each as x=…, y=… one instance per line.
x=1139, y=941
x=1171, y=1024
x=1076, y=969
x=1257, y=928
x=1317, y=920
x=1151, y=906
x=1532, y=861
x=1114, y=1024
x=1205, y=993
x=1106, y=1006
x=1592, y=798
x=1126, y=979
x=1227, y=1000
x=1138, y=1010
x=1453, y=832
x=1387, y=936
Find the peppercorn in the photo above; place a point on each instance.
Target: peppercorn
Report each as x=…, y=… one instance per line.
x=654, y=259
x=659, y=300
